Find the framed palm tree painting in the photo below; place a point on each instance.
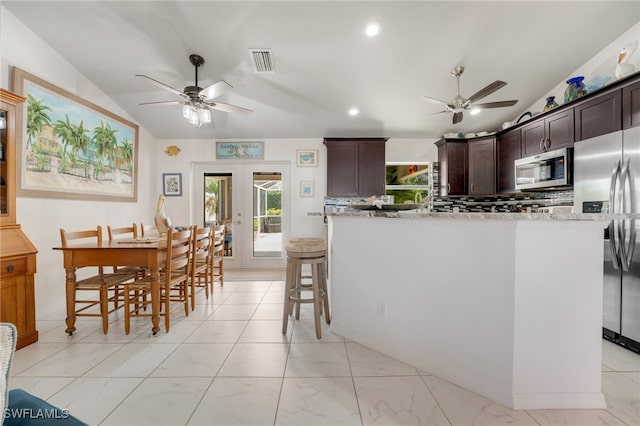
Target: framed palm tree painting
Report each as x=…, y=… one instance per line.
x=71, y=148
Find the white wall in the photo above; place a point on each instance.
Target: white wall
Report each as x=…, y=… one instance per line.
x=41, y=218
x=603, y=64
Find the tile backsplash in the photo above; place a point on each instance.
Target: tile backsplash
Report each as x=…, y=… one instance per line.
x=502, y=203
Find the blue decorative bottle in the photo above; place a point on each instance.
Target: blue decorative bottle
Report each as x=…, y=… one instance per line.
x=551, y=104
x=575, y=89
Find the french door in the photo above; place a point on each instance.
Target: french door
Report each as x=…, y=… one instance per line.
x=252, y=201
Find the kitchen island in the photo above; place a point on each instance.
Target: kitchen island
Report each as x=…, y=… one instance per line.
x=505, y=305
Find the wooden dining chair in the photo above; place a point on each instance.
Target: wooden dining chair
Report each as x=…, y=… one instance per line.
x=201, y=253
x=217, y=257
x=126, y=233
x=108, y=285
x=174, y=282
x=149, y=230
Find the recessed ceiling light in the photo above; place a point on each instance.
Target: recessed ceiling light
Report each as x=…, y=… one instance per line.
x=475, y=111
x=354, y=111
x=372, y=29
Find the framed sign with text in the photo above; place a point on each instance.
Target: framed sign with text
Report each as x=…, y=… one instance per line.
x=239, y=150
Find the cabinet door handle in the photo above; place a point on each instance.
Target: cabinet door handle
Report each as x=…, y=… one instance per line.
x=471, y=186
x=10, y=268
x=448, y=188
x=547, y=144
x=540, y=144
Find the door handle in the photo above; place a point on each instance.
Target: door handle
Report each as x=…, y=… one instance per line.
x=613, y=226
x=627, y=247
x=540, y=144
x=547, y=144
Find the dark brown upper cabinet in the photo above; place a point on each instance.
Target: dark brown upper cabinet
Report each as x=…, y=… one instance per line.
x=452, y=156
x=355, y=166
x=551, y=132
x=508, y=150
x=599, y=115
x=482, y=158
x=631, y=105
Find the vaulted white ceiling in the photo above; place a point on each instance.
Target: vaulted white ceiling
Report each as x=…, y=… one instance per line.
x=324, y=62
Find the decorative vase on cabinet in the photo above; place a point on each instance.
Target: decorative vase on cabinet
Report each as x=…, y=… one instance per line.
x=551, y=104
x=575, y=89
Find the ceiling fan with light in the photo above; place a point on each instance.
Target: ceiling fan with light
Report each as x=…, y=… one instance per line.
x=459, y=104
x=198, y=102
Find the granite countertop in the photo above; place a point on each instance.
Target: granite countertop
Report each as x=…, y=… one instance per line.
x=416, y=214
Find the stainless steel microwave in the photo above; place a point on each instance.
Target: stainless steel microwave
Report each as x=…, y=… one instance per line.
x=548, y=170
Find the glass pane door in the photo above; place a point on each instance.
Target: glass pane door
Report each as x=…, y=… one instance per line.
x=250, y=200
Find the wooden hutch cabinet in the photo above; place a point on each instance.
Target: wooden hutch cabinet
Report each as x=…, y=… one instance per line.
x=355, y=166
x=17, y=253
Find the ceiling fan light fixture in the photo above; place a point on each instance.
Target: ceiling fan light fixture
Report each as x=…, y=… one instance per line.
x=196, y=115
x=354, y=111
x=475, y=111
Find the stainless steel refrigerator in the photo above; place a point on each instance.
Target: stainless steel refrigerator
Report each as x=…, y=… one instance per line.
x=607, y=178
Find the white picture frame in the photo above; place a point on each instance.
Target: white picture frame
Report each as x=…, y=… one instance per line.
x=307, y=157
x=306, y=188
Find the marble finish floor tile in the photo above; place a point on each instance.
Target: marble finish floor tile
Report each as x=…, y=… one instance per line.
x=160, y=401
x=80, y=397
x=217, y=332
x=42, y=387
x=318, y=401
x=256, y=360
x=266, y=331
x=194, y=360
x=239, y=401
x=463, y=407
x=269, y=311
x=234, y=312
x=234, y=367
x=397, y=401
x=623, y=397
x=305, y=331
x=314, y=360
x=133, y=360
x=367, y=362
x=575, y=418
x=72, y=361
x=618, y=358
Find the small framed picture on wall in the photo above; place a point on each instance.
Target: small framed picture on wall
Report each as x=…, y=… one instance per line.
x=172, y=184
x=306, y=188
x=307, y=157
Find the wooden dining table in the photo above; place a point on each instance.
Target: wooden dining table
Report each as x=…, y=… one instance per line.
x=146, y=252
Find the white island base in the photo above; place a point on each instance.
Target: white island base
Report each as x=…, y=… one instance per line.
x=510, y=309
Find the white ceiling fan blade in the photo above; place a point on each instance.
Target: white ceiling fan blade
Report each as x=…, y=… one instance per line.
x=161, y=103
x=487, y=90
x=426, y=115
x=164, y=86
x=498, y=104
x=215, y=90
x=433, y=100
x=227, y=107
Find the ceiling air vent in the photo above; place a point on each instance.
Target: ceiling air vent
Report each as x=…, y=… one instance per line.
x=262, y=60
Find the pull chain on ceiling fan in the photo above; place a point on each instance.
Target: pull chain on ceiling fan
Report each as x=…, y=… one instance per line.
x=459, y=104
x=198, y=102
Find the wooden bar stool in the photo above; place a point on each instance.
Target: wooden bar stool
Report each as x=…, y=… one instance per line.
x=312, y=252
